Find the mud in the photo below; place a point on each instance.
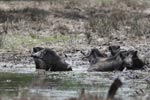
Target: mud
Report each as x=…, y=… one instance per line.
x=19, y=80
x=41, y=85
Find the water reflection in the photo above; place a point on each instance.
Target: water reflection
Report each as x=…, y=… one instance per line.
x=62, y=85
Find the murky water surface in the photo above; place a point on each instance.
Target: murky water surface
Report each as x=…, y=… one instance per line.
x=23, y=82
x=28, y=84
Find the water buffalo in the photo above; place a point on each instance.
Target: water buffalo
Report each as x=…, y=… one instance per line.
x=114, y=49
x=137, y=63
x=94, y=56
x=47, y=59
x=39, y=63
x=118, y=62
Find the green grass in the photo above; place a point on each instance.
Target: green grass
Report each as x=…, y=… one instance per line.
x=104, y=1
x=19, y=42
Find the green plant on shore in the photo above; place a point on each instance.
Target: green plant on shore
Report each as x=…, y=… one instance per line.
x=12, y=42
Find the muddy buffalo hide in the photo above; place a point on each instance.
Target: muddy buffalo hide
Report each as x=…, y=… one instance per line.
x=47, y=59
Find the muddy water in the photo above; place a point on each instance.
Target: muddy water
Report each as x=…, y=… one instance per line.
x=25, y=83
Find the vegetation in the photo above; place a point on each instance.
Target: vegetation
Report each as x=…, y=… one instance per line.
x=19, y=42
x=67, y=24
x=100, y=18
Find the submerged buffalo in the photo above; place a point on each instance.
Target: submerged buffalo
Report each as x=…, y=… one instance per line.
x=94, y=56
x=47, y=59
x=118, y=62
x=122, y=59
x=137, y=63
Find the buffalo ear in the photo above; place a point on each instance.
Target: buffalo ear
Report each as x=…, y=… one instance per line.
x=36, y=49
x=110, y=48
x=135, y=53
x=118, y=47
